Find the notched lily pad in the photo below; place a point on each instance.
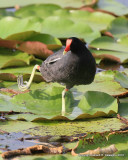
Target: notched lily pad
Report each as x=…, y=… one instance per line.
x=97, y=104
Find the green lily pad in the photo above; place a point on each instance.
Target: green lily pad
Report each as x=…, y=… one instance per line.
x=107, y=43
x=123, y=108
x=97, y=20
x=44, y=102
x=36, y=36
x=113, y=56
x=11, y=25
x=11, y=74
x=122, y=79
x=119, y=27
x=113, y=6
x=40, y=10
x=5, y=104
x=103, y=82
x=14, y=59
x=107, y=48
x=64, y=28
x=101, y=102
x=66, y=3
x=7, y=84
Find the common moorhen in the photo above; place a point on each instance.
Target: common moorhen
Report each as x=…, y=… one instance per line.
x=74, y=68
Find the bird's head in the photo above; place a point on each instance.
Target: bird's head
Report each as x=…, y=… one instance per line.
x=74, y=44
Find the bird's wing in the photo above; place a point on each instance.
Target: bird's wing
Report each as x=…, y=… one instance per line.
x=54, y=57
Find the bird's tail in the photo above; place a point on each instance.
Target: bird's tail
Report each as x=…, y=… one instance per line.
x=24, y=85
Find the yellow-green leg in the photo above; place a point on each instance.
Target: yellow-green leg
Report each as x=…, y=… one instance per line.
x=63, y=101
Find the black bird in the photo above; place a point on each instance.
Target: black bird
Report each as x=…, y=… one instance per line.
x=74, y=66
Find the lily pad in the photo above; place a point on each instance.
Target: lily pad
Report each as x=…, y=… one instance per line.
x=46, y=103
x=64, y=28
x=101, y=102
x=14, y=58
x=123, y=108
x=119, y=27
x=47, y=39
x=122, y=79
x=107, y=48
x=97, y=20
x=11, y=74
x=103, y=82
x=66, y=3
x=40, y=10
x=107, y=43
x=12, y=25
x=113, y=6
x=113, y=56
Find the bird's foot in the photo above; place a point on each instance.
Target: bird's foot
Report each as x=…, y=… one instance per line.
x=22, y=85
